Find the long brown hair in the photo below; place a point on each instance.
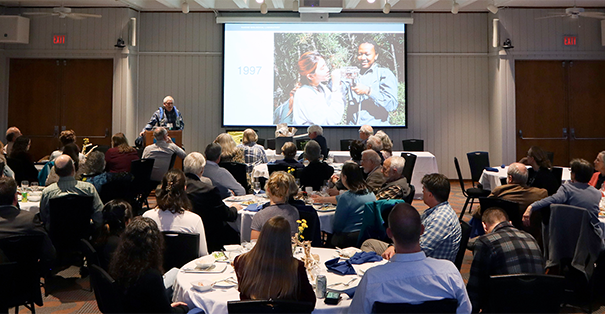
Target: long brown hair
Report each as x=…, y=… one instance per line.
x=119, y=140
x=539, y=156
x=354, y=178
x=171, y=195
x=269, y=271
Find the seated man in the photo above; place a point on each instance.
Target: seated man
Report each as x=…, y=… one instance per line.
x=316, y=133
x=67, y=185
x=503, y=250
x=207, y=203
x=220, y=177
x=364, y=133
x=289, y=152
x=410, y=276
x=162, y=151
x=317, y=171
x=370, y=161
x=442, y=235
x=12, y=134
x=396, y=186
x=375, y=143
x=15, y=222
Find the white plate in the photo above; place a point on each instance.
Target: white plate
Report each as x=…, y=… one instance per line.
x=225, y=284
x=217, y=268
x=202, y=285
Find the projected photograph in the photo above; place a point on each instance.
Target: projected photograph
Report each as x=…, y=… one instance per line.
x=339, y=79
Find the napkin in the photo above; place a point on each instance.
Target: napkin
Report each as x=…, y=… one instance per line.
x=492, y=169
x=343, y=268
x=254, y=207
x=365, y=257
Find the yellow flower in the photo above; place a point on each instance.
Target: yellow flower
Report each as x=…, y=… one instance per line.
x=304, y=225
x=301, y=236
x=298, y=221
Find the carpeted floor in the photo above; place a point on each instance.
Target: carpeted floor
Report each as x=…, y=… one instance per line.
x=70, y=293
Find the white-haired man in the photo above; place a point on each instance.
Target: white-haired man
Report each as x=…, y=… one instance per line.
x=316, y=133
x=162, y=151
x=364, y=132
x=396, y=186
x=166, y=116
x=207, y=203
x=370, y=161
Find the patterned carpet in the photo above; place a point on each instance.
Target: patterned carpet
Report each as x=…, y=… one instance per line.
x=70, y=292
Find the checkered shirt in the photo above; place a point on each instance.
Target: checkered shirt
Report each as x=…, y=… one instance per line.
x=442, y=233
x=253, y=154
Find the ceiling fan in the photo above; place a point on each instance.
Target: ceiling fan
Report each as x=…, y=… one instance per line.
x=576, y=13
x=63, y=12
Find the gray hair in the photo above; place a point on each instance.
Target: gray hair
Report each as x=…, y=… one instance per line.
x=315, y=129
x=194, y=163
x=167, y=98
x=366, y=129
x=312, y=150
x=373, y=155
x=397, y=163
x=387, y=144
x=159, y=133
x=95, y=163
x=376, y=142
x=518, y=173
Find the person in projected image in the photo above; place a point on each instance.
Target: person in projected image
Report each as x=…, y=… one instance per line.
x=374, y=93
x=315, y=102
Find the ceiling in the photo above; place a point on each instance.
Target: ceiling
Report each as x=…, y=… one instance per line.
x=286, y=5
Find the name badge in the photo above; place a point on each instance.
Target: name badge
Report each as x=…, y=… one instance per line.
x=169, y=125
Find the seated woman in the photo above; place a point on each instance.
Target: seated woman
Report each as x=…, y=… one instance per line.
x=136, y=267
x=349, y=206
x=278, y=190
x=230, y=152
x=387, y=144
x=599, y=176
x=119, y=157
x=541, y=176
x=66, y=137
x=289, y=152
x=281, y=277
x=116, y=216
x=254, y=154
x=173, y=210
x=21, y=161
x=317, y=171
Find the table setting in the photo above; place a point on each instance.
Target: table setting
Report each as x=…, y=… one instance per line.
x=29, y=196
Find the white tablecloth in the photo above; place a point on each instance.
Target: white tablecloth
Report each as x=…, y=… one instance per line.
x=33, y=207
x=490, y=179
x=215, y=300
x=425, y=163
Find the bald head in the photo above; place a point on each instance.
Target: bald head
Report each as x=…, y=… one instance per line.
x=64, y=166
x=517, y=174
x=405, y=227
x=12, y=133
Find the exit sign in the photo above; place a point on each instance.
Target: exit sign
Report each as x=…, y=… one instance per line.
x=570, y=40
x=59, y=39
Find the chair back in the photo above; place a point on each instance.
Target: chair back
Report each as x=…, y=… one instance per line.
x=102, y=148
x=269, y=306
x=172, y=161
x=345, y=145
x=408, y=169
x=280, y=141
x=510, y=208
x=557, y=173
x=261, y=142
x=551, y=157
x=460, y=179
x=375, y=220
x=92, y=258
x=141, y=171
x=300, y=144
x=477, y=161
x=271, y=143
x=70, y=222
x=466, y=233
x=410, y=198
x=413, y=145
x=238, y=171
x=273, y=167
x=435, y=306
x=23, y=284
x=107, y=293
x=313, y=231
x=119, y=187
x=181, y=248
x=525, y=293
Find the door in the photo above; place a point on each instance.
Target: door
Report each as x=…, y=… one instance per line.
x=47, y=96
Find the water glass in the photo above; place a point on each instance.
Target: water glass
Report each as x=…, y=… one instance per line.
x=256, y=187
x=35, y=187
x=24, y=185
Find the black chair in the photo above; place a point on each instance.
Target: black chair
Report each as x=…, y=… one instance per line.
x=273, y=167
x=313, y=231
x=345, y=145
x=107, y=293
x=436, y=306
x=410, y=198
x=551, y=157
x=120, y=188
x=408, y=169
x=413, y=145
x=271, y=143
x=70, y=222
x=172, y=161
x=525, y=293
x=181, y=248
x=142, y=185
x=300, y=144
x=92, y=258
x=558, y=175
x=470, y=194
x=238, y=171
x=22, y=285
x=102, y=148
x=260, y=141
x=269, y=306
x=477, y=162
x=466, y=233
x=510, y=208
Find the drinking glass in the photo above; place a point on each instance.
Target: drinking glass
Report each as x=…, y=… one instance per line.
x=35, y=187
x=256, y=187
x=24, y=185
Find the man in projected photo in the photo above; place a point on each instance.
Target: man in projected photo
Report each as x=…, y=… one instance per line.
x=374, y=94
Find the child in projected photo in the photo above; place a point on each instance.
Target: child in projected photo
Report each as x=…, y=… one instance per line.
x=314, y=102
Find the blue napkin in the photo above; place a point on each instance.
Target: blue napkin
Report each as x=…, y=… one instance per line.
x=492, y=169
x=254, y=207
x=343, y=268
x=365, y=257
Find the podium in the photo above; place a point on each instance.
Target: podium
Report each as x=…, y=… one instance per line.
x=177, y=138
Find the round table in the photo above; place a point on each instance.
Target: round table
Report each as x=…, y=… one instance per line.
x=215, y=300
x=492, y=179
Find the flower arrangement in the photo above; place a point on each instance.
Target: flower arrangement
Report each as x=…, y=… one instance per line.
x=291, y=170
x=311, y=261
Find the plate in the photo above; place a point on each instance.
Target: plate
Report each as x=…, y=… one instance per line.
x=225, y=284
x=216, y=268
x=241, y=198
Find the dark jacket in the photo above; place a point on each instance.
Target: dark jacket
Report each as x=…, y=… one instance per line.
x=148, y=295
x=315, y=174
x=23, y=167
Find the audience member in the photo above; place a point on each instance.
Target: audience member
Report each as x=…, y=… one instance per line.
x=116, y=216
x=442, y=235
x=395, y=186
x=5, y=170
x=387, y=144
x=269, y=271
x=289, y=152
x=410, y=276
x=230, y=152
x=12, y=134
x=136, y=267
x=207, y=203
x=355, y=150
x=21, y=161
x=503, y=250
x=173, y=210
x=72, y=151
x=92, y=170
x=317, y=171
x=598, y=177
x=162, y=151
x=278, y=190
x=370, y=161
x=67, y=137
x=67, y=185
x=120, y=156
x=316, y=133
x=364, y=132
x=254, y=154
x=349, y=206
x=220, y=177
x=541, y=175
x=167, y=117
x=16, y=222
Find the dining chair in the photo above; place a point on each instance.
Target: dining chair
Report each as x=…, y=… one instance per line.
x=551, y=157
x=466, y=233
x=470, y=194
x=181, y=248
x=413, y=145
x=273, y=167
x=345, y=144
x=172, y=161
x=375, y=220
x=313, y=231
x=525, y=293
x=70, y=222
x=142, y=185
x=269, y=306
x=434, y=306
x=477, y=162
x=271, y=143
x=107, y=293
x=509, y=207
x=408, y=169
x=238, y=171
x=261, y=142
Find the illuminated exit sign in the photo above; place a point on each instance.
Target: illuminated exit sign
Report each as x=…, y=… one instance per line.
x=570, y=40
x=59, y=39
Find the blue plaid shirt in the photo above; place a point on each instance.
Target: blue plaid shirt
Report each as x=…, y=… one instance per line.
x=254, y=154
x=442, y=233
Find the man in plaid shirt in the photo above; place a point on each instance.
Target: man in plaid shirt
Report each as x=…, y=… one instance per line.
x=396, y=186
x=503, y=250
